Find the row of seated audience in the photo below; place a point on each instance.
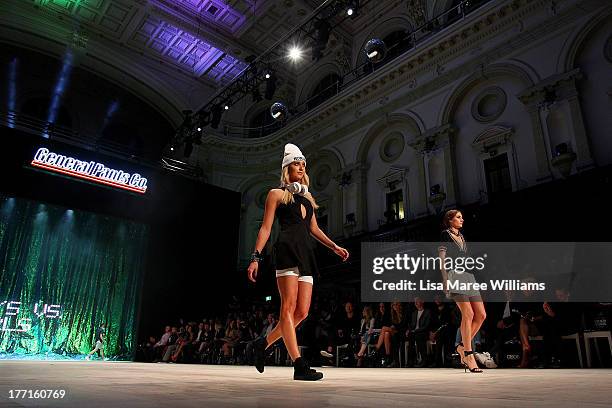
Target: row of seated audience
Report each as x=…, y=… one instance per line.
x=379, y=335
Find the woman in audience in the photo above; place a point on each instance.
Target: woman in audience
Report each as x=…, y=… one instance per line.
x=395, y=326
x=187, y=338
x=232, y=336
x=366, y=331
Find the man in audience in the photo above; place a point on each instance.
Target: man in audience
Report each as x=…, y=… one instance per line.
x=418, y=333
x=346, y=333
x=172, y=343
x=442, y=332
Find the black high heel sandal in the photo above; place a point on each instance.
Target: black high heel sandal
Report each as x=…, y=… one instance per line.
x=458, y=353
x=457, y=348
x=466, y=366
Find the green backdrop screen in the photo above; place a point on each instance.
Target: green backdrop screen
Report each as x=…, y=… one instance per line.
x=62, y=273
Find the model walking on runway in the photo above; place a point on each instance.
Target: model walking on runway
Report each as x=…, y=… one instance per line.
x=295, y=262
x=470, y=303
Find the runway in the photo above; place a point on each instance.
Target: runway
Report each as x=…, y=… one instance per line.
x=126, y=384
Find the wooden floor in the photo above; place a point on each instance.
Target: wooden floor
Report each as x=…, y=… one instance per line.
x=123, y=384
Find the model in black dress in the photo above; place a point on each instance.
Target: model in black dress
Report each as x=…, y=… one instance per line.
x=469, y=301
x=295, y=262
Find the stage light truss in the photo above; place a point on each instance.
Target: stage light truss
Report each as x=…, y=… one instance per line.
x=312, y=33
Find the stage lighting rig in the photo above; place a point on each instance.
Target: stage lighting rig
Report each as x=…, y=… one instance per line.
x=375, y=50
x=270, y=86
x=315, y=30
x=352, y=9
x=279, y=111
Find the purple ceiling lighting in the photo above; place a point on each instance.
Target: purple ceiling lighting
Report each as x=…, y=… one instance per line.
x=218, y=12
x=183, y=48
x=173, y=30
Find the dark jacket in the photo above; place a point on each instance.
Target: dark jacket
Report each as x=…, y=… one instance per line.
x=424, y=321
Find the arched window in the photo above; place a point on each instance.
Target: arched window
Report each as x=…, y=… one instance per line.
x=325, y=89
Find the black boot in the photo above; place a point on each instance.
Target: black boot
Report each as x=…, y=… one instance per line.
x=259, y=353
x=301, y=371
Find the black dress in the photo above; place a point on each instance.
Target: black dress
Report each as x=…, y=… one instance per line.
x=456, y=250
x=294, y=246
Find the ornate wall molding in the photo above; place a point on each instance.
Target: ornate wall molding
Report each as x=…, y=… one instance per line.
x=391, y=147
x=489, y=104
x=492, y=137
x=495, y=19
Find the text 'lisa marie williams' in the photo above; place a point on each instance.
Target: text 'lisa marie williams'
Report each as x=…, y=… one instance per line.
x=428, y=285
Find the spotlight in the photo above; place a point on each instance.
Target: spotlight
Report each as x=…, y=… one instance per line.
x=295, y=53
x=279, y=111
x=375, y=49
x=199, y=129
x=352, y=8
x=267, y=75
x=226, y=107
x=270, y=86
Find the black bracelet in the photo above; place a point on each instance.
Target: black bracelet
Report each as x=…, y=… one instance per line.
x=256, y=257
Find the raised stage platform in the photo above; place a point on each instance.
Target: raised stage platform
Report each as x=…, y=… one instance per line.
x=125, y=384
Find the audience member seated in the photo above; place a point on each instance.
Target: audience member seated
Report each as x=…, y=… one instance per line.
x=389, y=334
x=442, y=332
x=172, y=346
x=160, y=346
x=366, y=331
x=184, y=342
x=346, y=333
x=228, y=335
x=417, y=334
x=232, y=336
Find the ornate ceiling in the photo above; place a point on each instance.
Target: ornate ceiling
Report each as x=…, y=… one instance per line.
x=185, y=50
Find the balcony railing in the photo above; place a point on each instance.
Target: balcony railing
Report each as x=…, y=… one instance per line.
x=413, y=39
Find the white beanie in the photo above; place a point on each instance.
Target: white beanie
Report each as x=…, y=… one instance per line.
x=292, y=153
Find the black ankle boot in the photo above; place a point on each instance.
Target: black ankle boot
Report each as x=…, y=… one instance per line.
x=259, y=353
x=302, y=372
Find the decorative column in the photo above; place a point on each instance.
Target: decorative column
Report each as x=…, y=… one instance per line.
x=431, y=142
x=353, y=179
x=540, y=99
x=361, y=178
x=532, y=100
x=568, y=91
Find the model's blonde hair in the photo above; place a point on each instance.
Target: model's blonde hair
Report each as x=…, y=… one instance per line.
x=287, y=196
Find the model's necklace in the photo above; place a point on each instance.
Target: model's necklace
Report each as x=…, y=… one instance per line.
x=459, y=238
x=457, y=233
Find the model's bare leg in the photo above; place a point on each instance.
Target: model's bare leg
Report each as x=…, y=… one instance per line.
x=288, y=288
x=301, y=311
